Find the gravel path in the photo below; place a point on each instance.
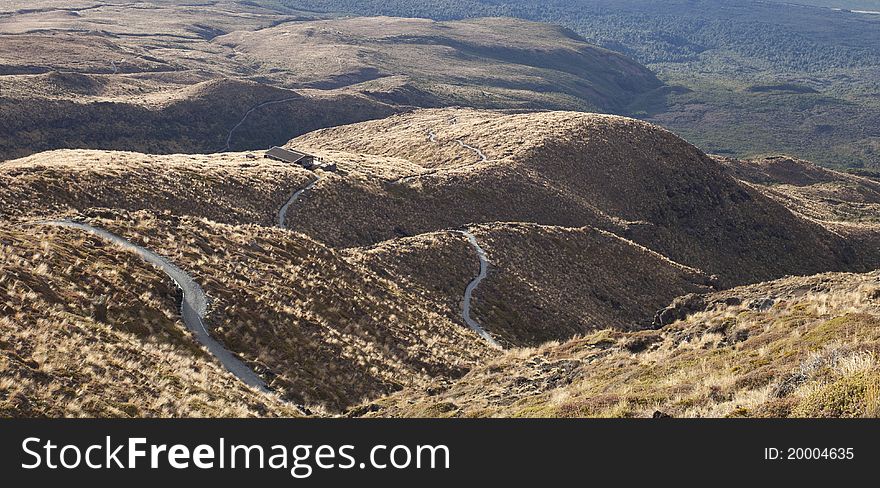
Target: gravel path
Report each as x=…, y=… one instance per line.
x=192, y=309
x=469, y=291
x=248, y=113
x=282, y=212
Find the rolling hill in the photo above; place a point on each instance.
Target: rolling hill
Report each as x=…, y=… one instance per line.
x=488, y=63
x=565, y=169
x=170, y=77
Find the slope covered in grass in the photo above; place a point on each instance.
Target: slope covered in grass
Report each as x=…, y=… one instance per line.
x=612, y=247
x=88, y=330
x=797, y=347
x=567, y=169
x=324, y=332
x=232, y=187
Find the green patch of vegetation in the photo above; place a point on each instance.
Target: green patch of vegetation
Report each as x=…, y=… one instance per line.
x=851, y=396
x=826, y=331
x=442, y=409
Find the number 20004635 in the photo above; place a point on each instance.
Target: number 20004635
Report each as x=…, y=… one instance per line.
x=809, y=453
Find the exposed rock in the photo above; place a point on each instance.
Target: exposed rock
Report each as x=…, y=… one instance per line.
x=641, y=341
x=788, y=385
x=762, y=304
x=680, y=308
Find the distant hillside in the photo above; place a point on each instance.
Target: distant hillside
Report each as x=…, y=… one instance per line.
x=845, y=203
x=177, y=78
x=488, y=63
x=210, y=116
x=710, y=54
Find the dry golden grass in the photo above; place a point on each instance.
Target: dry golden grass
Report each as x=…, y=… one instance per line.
x=325, y=331
x=552, y=283
x=845, y=204
x=817, y=193
x=544, y=283
x=435, y=267
x=592, y=223
x=572, y=170
x=322, y=330
x=812, y=353
x=87, y=330
x=229, y=187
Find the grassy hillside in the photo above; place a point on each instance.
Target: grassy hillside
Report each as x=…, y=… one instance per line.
x=544, y=282
x=814, y=192
x=552, y=282
x=87, y=331
x=229, y=188
x=798, y=347
x=564, y=169
x=323, y=330
x=326, y=333
x=611, y=246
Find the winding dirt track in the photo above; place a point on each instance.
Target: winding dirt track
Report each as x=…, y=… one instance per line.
x=193, y=308
x=469, y=291
x=248, y=113
x=481, y=253
x=478, y=151
x=282, y=212
x=432, y=137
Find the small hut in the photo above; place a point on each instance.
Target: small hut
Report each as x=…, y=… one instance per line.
x=290, y=156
